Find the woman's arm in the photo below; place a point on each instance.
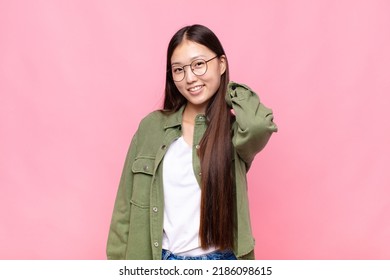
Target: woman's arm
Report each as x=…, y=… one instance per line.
x=254, y=122
x=119, y=229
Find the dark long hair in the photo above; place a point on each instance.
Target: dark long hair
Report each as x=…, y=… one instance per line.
x=215, y=153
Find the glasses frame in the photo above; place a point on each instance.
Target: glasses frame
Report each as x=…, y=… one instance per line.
x=192, y=70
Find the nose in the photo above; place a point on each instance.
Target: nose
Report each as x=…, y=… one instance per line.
x=190, y=77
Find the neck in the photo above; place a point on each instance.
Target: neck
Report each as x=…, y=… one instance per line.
x=192, y=111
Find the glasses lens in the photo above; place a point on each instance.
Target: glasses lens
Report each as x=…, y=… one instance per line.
x=177, y=73
x=199, y=67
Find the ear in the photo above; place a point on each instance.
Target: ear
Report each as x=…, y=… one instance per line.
x=222, y=64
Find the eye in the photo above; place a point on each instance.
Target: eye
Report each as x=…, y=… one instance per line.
x=198, y=64
x=177, y=70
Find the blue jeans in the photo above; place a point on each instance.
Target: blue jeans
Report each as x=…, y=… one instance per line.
x=217, y=255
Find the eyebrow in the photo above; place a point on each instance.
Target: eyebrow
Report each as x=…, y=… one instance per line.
x=192, y=59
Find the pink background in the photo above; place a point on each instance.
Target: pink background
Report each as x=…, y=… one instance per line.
x=76, y=77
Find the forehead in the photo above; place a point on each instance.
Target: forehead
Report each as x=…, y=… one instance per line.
x=187, y=50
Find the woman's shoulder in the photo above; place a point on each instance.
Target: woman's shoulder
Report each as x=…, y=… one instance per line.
x=153, y=119
x=160, y=119
x=153, y=116
x=153, y=128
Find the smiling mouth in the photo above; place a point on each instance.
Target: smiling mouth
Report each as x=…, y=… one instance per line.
x=193, y=89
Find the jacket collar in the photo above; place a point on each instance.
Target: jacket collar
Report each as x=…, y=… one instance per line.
x=174, y=119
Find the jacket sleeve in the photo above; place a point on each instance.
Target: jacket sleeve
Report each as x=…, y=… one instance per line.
x=119, y=228
x=254, y=122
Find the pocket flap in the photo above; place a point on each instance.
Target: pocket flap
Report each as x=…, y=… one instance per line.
x=143, y=165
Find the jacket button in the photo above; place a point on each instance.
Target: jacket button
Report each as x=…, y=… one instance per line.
x=197, y=147
x=155, y=244
x=155, y=209
x=146, y=168
x=200, y=174
x=163, y=147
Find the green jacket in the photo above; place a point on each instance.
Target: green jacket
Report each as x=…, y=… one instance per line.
x=137, y=222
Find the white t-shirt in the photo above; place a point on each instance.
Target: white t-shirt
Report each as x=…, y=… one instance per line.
x=182, y=196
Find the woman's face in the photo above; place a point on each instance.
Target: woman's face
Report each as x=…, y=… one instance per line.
x=198, y=89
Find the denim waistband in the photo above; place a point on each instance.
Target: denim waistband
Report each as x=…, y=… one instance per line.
x=216, y=255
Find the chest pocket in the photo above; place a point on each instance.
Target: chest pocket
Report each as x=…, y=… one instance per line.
x=142, y=169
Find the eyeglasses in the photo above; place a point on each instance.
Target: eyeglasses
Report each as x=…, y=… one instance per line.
x=198, y=67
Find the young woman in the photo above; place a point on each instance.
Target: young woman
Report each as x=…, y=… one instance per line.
x=183, y=191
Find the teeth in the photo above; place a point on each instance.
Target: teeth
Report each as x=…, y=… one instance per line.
x=195, y=88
